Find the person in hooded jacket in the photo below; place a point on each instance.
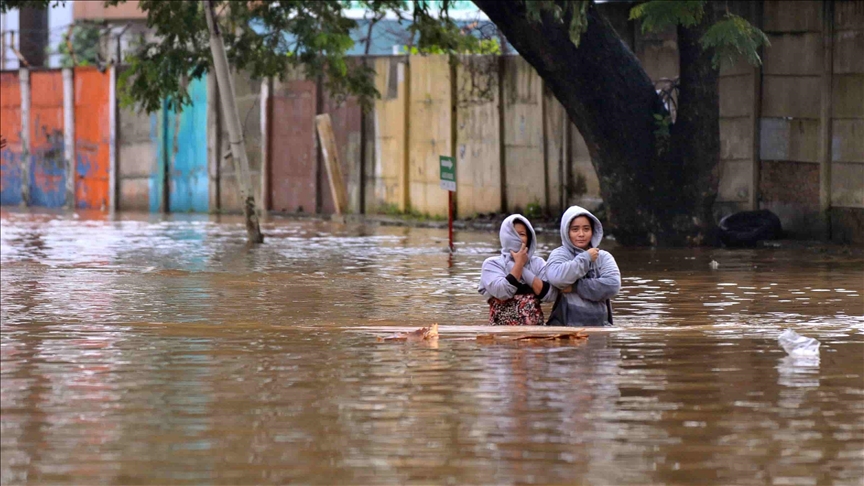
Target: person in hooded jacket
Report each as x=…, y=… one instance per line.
x=510, y=281
x=579, y=263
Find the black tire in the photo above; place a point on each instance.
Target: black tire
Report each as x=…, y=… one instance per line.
x=748, y=228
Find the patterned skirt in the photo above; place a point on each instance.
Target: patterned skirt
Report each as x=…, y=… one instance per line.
x=521, y=310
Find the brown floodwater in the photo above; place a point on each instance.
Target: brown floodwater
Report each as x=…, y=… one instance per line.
x=142, y=349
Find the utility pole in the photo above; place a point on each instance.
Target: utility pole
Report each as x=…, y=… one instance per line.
x=232, y=120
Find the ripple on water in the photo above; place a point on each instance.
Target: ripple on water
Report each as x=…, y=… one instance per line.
x=138, y=349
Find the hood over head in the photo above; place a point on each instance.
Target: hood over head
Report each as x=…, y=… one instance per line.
x=510, y=240
x=572, y=213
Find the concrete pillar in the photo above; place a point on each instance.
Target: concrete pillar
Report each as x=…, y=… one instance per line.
x=112, y=138
x=69, y=134
x=264, y=200
x=24, y=79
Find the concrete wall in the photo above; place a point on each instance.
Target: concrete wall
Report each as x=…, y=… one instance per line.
x=429, y=132
x=248, y=95
x=789, y=127
x=388, y=163
x=136, y=159
x=522, y=99
x=739, y=97
x=478, y=147
x=847, y=123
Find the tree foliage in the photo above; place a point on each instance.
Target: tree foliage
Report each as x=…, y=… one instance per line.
x=7, y=5
x=731, y=37
x=268, y=38
x=659, y=15
x=84, y=41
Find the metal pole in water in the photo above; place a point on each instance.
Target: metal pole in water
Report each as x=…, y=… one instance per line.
x=450, y=218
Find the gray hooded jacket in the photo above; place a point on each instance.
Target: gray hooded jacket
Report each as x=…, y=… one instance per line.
x=594, y=283
x=494, y=281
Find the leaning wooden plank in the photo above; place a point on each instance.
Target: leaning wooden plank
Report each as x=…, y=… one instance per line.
x=331, y=162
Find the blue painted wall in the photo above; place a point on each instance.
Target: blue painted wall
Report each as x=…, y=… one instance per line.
x=10, y=177
x=180, y=138
x=186, y=144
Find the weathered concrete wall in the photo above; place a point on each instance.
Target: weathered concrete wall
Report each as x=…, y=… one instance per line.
x=583, y=185
x=136, y=159
x=248, y=95
x=388, y=163
x=739, y=119
x=429, y=132
x=555, y=123
x=478, y=148
x=789, y=127
x=847, y=123
x=522, y=94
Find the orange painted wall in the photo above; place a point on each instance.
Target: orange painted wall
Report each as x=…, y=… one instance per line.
x=10, y=129
x=47, y=163
x=92, y=136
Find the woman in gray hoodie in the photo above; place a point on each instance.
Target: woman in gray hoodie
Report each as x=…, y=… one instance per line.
x=592, y=273
x=509, y=281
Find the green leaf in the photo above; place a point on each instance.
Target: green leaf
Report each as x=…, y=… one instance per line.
x=658, y=15
x=559, y=12
x=732, y=37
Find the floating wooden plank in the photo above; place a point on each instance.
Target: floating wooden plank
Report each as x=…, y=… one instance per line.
x=471, y=332
x=331, y=162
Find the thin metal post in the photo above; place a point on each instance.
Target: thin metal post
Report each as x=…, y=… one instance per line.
x=450, y=220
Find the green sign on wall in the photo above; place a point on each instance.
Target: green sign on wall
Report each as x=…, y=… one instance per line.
x=448, y=173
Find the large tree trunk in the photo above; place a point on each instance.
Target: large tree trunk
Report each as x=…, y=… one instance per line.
x=696, y=133
x=612, y=102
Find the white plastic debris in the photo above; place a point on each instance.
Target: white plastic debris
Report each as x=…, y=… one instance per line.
x=714, y=265
x=797, y=345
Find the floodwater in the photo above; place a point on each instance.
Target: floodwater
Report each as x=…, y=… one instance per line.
x=138, y=349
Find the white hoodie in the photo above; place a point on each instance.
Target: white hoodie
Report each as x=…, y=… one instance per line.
x=494, y=281
x=594, y=283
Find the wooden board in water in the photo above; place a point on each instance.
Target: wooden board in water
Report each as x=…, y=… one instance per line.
x=445, y=332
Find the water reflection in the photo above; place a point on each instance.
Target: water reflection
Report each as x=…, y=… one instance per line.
x=147, y=350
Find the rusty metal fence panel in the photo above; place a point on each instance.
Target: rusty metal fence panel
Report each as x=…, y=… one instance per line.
x=92, y=136
x=10, y=129
x=47, y=170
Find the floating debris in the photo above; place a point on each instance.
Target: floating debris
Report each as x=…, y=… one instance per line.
x=798, y=346
x=714, y=265
x=422, y=334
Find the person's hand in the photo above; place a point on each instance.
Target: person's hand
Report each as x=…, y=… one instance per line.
x=567, y=289
x=520, y=257
x=593, y=252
